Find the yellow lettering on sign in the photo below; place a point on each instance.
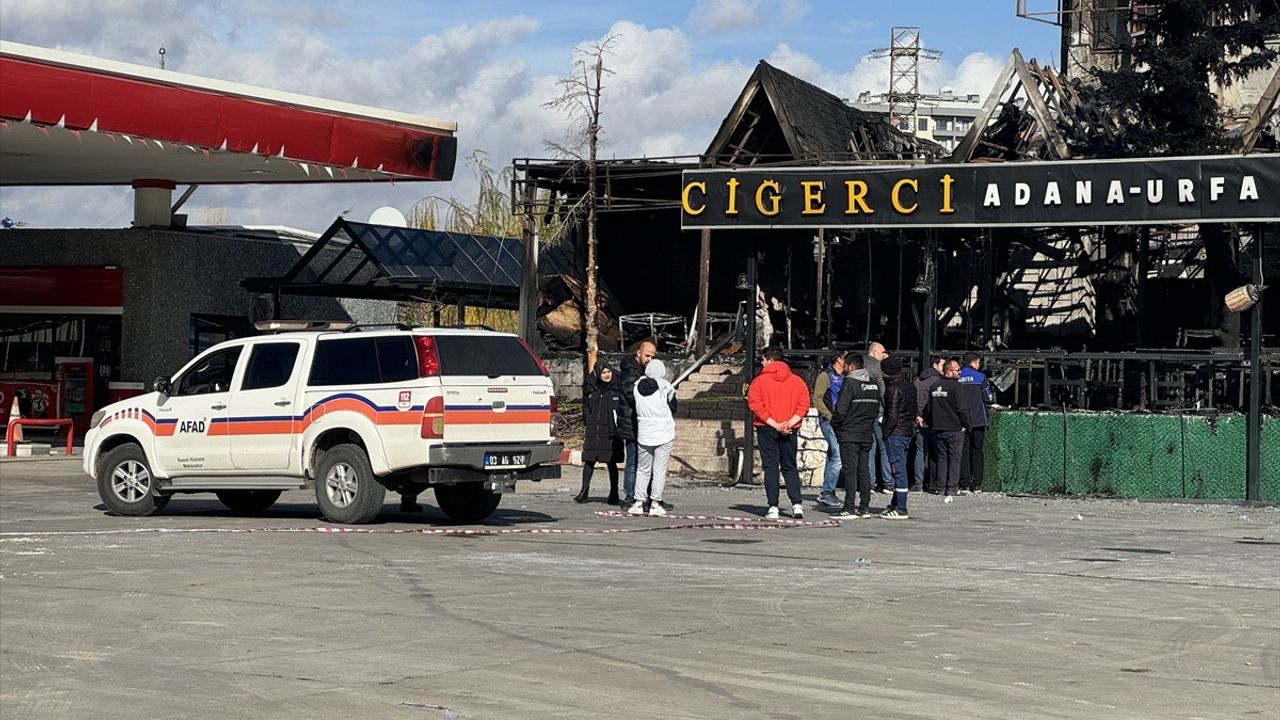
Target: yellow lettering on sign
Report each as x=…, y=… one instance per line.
x=684, y=197
x=733, y=196
x=775, y=202
x=813, y=204
x=857, y=198
x=895, y=195
x=946, y=194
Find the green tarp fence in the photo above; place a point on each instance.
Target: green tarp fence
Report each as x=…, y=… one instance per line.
x=1127, y=455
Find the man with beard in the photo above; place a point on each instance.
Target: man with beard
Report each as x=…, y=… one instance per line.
x=632, y=371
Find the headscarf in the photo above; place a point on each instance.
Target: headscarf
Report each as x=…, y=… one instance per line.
x=595, y=384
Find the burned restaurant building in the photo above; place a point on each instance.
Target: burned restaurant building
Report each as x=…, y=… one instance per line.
x=1087, y=284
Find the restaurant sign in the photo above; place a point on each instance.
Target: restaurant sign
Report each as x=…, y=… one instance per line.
x=1220, y=188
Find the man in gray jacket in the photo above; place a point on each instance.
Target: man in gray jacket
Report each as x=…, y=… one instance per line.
x=882, y=478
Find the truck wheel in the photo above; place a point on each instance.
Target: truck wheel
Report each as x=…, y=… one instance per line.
x=125, y=483
x=346, y=489
x=466, y=502
x=248, y=501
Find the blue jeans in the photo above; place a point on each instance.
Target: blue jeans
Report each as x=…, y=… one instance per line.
x=924, y=456
x=629, y=474
x=878, y=450
x=831, y=474
x=898, y=445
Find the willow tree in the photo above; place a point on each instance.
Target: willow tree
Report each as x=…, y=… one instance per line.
x=579, y=98
x=490, y=215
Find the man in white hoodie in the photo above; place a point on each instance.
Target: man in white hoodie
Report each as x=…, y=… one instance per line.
x=655, y=400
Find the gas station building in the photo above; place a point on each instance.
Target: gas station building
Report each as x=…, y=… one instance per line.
x=88, y=316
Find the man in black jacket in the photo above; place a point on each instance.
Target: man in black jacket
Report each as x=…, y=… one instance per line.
x=632, y=371
x=929, y=378
x=898, y=425
x=948, y=418
x=855, y=413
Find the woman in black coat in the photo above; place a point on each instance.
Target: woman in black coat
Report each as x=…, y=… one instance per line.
x=608, y=420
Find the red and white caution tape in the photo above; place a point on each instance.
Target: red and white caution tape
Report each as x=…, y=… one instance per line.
x=700, y=523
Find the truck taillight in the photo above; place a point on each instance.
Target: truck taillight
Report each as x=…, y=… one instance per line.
x=433, y=419
x=541, y=365
x=428, y=358
x=554, y=405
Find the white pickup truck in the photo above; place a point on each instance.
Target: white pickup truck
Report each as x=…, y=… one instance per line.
x=350, y=414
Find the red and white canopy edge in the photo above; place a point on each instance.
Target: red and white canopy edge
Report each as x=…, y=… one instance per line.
x=70, y=119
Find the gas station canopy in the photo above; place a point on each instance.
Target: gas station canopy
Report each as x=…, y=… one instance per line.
x=69, y=119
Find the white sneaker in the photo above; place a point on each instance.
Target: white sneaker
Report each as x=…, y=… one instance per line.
x=797, y=511
x=772, y=514
x=637, y=509
x=656, y=509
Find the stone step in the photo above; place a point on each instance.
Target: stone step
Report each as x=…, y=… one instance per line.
x=714, y=376
x=711, y=394
x=728, y=410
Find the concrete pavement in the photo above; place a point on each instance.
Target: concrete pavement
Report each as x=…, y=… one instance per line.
x=991, y=607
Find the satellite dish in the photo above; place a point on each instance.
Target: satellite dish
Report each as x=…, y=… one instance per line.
x=387, y=215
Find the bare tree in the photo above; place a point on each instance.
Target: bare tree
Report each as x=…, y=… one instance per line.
x=579, y=98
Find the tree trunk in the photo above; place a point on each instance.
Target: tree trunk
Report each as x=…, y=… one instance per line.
x=593, y=137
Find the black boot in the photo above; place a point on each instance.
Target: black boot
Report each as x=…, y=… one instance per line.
x=581, y=497
x=409, y=503
x=613, y=491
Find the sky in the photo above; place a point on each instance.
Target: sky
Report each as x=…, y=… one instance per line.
x=491, y=66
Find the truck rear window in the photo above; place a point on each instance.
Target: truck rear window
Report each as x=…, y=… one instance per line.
x=484, y=355
x=363, y=361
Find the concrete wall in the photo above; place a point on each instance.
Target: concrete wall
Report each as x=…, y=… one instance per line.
x=168, y=275
x=566, y=371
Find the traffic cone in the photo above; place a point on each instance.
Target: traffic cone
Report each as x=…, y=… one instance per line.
x=14, y=414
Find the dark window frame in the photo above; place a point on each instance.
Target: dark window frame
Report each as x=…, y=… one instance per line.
x=205, y=364
x=254, y=351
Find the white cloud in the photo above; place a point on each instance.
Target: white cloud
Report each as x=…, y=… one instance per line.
x=975, y=74
x=712, y=15
x=660, y=101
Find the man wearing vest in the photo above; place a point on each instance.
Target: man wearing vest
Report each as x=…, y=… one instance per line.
x=976, y=394
x=826, y=388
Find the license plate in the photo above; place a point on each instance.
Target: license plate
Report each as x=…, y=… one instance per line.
x=496, y=461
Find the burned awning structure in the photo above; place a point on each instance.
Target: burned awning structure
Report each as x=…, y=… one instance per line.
x=382, y=262
x=648, y=266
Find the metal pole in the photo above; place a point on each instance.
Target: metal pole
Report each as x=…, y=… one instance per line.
x=1253, y=440
x=527, y=316
x=929, y=320
x=704, y=282
x=748, y=431
x=822, y=276
x=897, y=317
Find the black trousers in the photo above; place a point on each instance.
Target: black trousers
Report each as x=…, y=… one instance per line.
x=778, y=453
x=853, y=469
x=971, y=470
x=949, y=446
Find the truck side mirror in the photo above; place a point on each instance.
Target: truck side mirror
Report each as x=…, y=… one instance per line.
x=161, y=385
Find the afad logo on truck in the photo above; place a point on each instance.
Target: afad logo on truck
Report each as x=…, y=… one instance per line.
x=191, y=426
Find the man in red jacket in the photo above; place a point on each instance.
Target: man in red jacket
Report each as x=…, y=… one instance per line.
x=779, y=400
